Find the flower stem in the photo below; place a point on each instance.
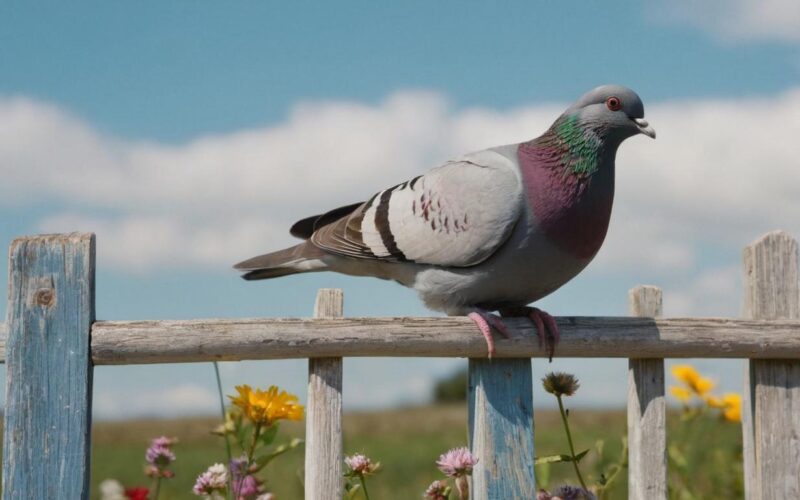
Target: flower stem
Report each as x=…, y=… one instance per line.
x=569, y=440
x=364, y=485
x=227, y=439
x=157, y=488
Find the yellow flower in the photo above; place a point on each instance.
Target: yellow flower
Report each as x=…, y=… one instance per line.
x=267, y=407
x=732, y=411
x=682, y=393
x=689, y=376
x=714, y=401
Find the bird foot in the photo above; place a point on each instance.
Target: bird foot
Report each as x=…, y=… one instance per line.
x=546, y=327
x=485, y=321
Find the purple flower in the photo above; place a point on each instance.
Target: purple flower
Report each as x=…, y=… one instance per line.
x=245, y=485
x=457, y=462
x=160, y=454
x=566, y=492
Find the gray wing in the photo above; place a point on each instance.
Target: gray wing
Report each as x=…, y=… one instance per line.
x=456, y=215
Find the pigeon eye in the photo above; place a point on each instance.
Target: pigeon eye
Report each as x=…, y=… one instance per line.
x=613, y=103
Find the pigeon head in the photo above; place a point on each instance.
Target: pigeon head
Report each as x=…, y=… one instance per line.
x=614, y=112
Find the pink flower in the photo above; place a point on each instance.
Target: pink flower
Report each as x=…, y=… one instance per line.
x=438, y=490
x=245, y=486
x=213, y=480
x=360, y=465
x=457, y=462
x=160, y=454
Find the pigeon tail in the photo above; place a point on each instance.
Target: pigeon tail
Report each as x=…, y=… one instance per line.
x=301, y=258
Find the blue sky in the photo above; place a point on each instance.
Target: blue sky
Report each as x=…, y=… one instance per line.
x=189, y=136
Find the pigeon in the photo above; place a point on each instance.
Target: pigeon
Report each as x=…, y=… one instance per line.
x=492, y=231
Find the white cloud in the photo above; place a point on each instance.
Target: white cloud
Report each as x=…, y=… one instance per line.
x=738, y=19
x=720, y=173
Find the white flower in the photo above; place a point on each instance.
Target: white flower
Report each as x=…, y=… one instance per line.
x=111, y=489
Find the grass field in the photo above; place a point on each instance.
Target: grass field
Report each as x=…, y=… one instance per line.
x=408, y=441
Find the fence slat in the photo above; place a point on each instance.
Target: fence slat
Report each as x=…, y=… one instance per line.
x=647, y=432
x=323, y=478
x=771, y=411
x=46, y=442
x=501, y=428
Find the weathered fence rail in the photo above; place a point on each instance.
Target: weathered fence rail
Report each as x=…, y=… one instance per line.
x=51, y=342
x=144, y=342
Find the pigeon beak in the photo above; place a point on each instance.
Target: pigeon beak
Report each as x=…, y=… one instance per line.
x=644, y=127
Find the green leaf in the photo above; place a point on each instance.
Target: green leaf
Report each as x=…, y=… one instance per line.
x=552, y=459
x=268, y=435
x=263, y=460
x=559, y=458
x=543, y=475
x=352, y=489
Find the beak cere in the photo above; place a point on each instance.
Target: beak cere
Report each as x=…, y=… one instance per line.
x=644, y=127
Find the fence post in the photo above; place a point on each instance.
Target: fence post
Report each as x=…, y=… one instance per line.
x=46, y=441
x=771, y=409
x=501, y=428
x=324, y=413
x=647, y=419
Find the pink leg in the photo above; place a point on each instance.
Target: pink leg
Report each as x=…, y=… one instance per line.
x=484, y=321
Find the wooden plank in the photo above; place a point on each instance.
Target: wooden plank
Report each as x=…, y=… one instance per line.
x=501, y=428
x=135, y=342
x=647, y=415
x=324, y=457
x=46, y=442
x=771, y=413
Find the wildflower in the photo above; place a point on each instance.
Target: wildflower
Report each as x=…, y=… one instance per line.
x=111, y=489
x=361, y=465
x=159, y=455
x=560, y=384
x=682, y=393
x=689, y=376
x=212, y=482
x=438, y=490
x=267, y=407
x=245, y=485
x=137, y=493
x=566, y=492
x=457, y=462
x=732, y=410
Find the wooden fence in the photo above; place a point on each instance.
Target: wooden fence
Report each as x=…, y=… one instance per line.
x=53, y=341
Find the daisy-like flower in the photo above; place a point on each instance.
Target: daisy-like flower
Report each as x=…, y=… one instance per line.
x=361, y=465
x=457, y=462
x=212, y=482
x=689, y=376
x=560, y=384
x=438, y=490
x=267, y=407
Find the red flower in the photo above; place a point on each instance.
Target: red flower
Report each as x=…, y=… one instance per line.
x=137, y=493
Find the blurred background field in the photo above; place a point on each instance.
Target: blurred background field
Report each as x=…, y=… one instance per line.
x=705, y=453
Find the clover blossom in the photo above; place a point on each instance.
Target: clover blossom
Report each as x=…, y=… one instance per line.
x=212, y=482
x=457, y=462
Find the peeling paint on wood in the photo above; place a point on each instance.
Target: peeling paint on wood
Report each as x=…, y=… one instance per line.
x=46, y=442
x=501, y=428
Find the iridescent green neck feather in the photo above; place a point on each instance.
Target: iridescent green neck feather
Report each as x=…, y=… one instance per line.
x=581, y=145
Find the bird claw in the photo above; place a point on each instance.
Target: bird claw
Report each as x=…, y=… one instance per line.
x=546, y=327
x=485, y=321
